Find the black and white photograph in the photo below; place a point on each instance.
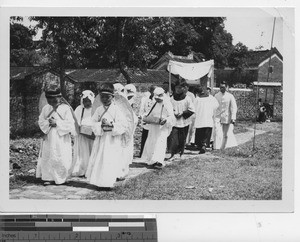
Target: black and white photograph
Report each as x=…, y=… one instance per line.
x=149, y=108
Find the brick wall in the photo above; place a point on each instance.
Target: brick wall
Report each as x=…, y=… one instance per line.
x=276, y=76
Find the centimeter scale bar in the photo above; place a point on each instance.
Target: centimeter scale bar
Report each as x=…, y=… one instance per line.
x=77, y=228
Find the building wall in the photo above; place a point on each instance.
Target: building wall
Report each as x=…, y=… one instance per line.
x=248, y=107
x=24, y=102
x=277, y=74
x=232, y=76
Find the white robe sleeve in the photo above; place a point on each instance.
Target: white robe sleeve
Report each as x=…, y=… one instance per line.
x=96, y=125
x=119, y=124
x=191, y=106
x=78, y=112
x=171, y=120
x=142, y=107
x=67, y=125
x=43, y=120
x=233, y=107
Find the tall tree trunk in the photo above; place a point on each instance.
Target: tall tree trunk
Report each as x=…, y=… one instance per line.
x=61, y=68
x=119, y=48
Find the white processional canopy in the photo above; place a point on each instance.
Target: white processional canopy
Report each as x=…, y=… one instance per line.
x=191, y=71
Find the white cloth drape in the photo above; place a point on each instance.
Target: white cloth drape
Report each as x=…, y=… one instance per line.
x=191, y=71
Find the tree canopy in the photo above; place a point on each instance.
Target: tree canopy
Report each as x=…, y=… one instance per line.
x=105, y=42
x=128, y=42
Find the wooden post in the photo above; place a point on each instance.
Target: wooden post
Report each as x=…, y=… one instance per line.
x=170, y=90
x=212, y=77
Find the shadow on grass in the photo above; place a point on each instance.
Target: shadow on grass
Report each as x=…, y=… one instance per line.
x=18, y=181
x=82, y=184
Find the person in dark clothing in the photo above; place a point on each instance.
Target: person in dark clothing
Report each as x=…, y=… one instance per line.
x=183, y=109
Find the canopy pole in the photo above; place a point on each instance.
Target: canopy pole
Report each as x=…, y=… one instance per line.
x=257, y=90
x=170, y=89
x=268, y=74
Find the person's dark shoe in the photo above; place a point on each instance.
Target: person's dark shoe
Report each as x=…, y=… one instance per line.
x=202, y=150
x=157, y=165
x=105, y=189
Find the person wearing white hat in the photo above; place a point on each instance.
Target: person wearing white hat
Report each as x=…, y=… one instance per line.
x=84, y=140
x=161, y=120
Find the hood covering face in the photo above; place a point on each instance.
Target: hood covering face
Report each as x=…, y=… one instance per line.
x=89, y=94
x=130, y=91
x=159, y=93
x=118, y=88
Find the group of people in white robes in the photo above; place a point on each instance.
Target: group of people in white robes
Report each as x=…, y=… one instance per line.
x=104, y=137
x=103, y=145
x=197, y=118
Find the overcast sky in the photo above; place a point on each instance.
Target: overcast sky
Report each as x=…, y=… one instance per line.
x=254, y=32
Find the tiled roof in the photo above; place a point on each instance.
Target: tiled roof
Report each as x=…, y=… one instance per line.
x=100, y=75
x=150, y=76
x=19, y=73
x=94, y=75
x=254, y=58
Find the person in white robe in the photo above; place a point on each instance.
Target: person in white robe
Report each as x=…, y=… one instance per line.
x=161, y=120
x=192, y=130
x=128, y=151
x=225, y=119
x=57, y=123
x=109, y=128
x=146, y=104
x=205, y=107
x=83, y=141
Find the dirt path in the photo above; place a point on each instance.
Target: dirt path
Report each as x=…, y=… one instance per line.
x=77, y=188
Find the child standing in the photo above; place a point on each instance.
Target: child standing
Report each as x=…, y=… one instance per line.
x=84, y=140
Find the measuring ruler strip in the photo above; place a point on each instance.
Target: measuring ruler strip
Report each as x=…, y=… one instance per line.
x=55, y=227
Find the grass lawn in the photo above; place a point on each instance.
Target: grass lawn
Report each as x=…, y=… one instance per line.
x=238, y=173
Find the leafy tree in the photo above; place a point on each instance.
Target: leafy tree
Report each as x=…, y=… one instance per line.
x=20, y=36
x=64, y=40
x=24, y=57
x=238, y=57
x=21, y=45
